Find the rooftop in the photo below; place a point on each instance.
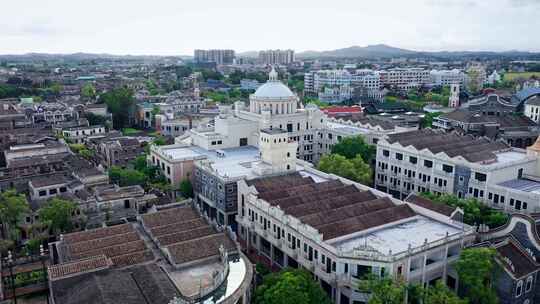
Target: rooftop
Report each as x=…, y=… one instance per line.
x=397, y=237
x=348, y=217
x=120, y=243
x=233, y=162
x=474, y=150
x=526, y=185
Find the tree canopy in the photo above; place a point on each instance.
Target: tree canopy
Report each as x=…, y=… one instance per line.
x=354, y=169
x=58, y=214
x=475, y=269
x=386, y=290
x=127, y=177
x=475, y=212
x=186, y=188
x=120, y=103
x=290, y=286
x=12, y=206
x=88, y=91
x=352, y=146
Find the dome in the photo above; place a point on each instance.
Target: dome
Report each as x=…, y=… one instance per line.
x=273, y=89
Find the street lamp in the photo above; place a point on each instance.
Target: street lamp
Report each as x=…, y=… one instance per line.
x=10, y=265
x=42, y=255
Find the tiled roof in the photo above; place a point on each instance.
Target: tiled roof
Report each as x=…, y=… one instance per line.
x=174, y=215
x=429, y=204
x=80, y=266
x=112, y=251
x=200, y=248
x=144, y=284
x=332, y=207
x=102, y=242
x=187, y=235
x=120, y=243
x=177, y=227
x=278, y=183
x=470, y=148
x=366, y=221
x=520, y=264
x=96, y=233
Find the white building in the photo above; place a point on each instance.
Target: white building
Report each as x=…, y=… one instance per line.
x=339, y=85
x=532, y=108
x=284, y=57
x=447, y=77
x=494, y=78
x=272, y=106
x=404, y=78
x=342, y=231
x=427, y=160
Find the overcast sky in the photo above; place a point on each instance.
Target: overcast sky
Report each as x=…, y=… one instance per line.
x=176, y=27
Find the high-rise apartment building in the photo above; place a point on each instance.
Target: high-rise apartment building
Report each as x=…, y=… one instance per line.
x=276, y=56
x=217, y=56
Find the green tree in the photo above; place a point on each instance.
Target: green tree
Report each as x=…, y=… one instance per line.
x=127, y=177
x=475, y=212
x=352, y=146
x=354, y=169
x=427, y=120
x=384, y=290
x=86, y=154
x=440, y=294
x=12, y=207
x=88, y=91
x=186, y=188
x=475, y=269
x=56, y=88
x=120, y=103
x=58, y=215
x=290, y=286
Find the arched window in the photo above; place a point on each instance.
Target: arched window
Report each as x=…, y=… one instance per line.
x=529, y=284
x=519, y=288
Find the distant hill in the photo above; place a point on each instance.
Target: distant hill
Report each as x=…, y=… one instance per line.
x=386, y=51
x=85, y=56
x=248, y=54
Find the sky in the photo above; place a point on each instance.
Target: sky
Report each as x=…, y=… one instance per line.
x=177, y=27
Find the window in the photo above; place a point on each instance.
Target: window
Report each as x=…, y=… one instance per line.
x=52, y=191
x=528, y=285
x=447, y=168
x=386, y=153
x=519, y=288
x=399, y=156
x=428, y=163
x=481, y=177
x=413, y=160
x=42, y=193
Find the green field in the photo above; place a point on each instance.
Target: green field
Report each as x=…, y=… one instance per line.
x=525, y=75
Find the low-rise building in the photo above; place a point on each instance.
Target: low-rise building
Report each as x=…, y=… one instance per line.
x=491, y=171
x=119, y=151
x=78, y=135
x=532, y=108
x=342, y=231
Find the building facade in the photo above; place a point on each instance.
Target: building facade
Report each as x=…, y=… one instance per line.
x=503, y=177
x=272, y=57
x=217, y=56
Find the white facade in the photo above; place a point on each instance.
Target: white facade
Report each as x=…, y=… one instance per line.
x=532, y=109
x=510, y=181
x=419, y=249
x=272, y=106
x=276, y=57
x=447, y=77
x=404, y=78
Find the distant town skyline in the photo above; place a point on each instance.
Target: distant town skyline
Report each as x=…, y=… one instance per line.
x=165, y=27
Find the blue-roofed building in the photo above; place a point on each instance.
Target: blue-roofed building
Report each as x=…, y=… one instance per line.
x=527, y=93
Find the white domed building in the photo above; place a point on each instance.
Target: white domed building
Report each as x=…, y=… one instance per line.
x=272, y=106
x=275, y=96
